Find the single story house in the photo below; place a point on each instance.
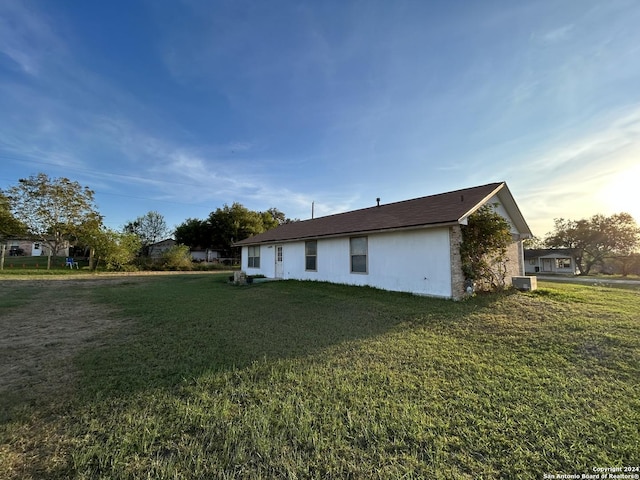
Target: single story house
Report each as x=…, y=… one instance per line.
x=408, y=246
x=550, y=261
x=29, y=247
x=200, y=254
x=157, y=249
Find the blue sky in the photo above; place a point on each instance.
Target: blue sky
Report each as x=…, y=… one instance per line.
x=183, y=106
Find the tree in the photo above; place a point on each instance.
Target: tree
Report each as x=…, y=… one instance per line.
x=195, y=233
x=117, y=249
x=595, y=238
x=483, y=250
x=177, y=257
x=273, y=218
x=150, y=228
x=227, y=225
x=9, y=224
x=52, y=210
x=533, y=243
x=233, y=223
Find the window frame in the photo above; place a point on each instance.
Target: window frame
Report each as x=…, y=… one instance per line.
x=352, y=255
x=308, y=256
x=253, y=261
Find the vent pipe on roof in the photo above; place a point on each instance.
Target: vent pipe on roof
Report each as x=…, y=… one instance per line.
x=378, y=200
x=462, y=198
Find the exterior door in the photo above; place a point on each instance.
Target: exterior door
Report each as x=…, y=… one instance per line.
x=279, y=266
x=547, y=264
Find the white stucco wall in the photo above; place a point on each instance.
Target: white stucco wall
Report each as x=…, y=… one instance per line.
x=267, y=261
x=414, y=261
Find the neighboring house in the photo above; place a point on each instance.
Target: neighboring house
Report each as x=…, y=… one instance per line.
x=200, y=254
x=410, y=246
x=550, y=261
x=157, y=249
x=32, y=248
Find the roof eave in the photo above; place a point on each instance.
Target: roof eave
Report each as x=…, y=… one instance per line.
x=247, y=242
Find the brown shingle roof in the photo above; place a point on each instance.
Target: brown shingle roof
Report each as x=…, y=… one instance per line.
x=444, y=208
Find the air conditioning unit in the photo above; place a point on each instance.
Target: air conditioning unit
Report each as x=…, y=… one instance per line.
x=525, y=284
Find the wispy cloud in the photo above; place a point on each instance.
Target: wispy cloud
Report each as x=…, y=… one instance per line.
x=26, y=36
x=562, y=177
x=554, y=36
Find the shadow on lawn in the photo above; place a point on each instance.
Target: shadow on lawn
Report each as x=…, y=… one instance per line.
x=185, y=326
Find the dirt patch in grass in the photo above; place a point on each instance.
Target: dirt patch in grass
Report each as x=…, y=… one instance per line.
x=42, y=334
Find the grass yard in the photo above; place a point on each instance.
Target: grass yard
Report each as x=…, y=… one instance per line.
x=29, y=265
x=185, y=376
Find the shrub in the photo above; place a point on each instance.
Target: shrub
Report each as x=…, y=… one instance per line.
x=484, y=248
x=177, y=257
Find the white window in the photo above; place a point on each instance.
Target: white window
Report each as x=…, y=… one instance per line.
x=253, y=257
x=311, y=255
x=358, y=247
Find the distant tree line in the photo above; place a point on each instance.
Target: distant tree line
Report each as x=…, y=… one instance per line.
x=58, y=211
x=227, y=225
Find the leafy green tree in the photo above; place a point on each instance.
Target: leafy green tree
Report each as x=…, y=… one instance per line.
x=195, y=233
x=116, y=250
x=233, y=223
x=53, y=210
x=9, y=224
x=483, y=250
x=150, y=228
x=178, y=257
x=595, y=238
x=89, y=236
x=227, y=225
x=273, y=218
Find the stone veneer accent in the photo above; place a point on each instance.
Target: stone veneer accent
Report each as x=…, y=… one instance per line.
x=457, y=277
x=514, y=263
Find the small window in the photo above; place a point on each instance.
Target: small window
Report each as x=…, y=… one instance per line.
x=311, y=255
x=253, y=254
x=563, y=263
x=358, y=247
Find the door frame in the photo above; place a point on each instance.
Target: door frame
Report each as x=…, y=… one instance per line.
x=279, y=261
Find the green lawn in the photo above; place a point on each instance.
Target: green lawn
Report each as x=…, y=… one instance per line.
x=310, y=380
x=28, y=265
